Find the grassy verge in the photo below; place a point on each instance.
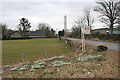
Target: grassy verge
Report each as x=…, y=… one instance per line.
x=103, y=67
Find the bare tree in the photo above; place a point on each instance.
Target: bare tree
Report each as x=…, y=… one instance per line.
x=46, y=29
x=108, y=12
x=76, y=29
x=42, y=26
x=80, y=21
x=5, y=32
x=118, y=17
x=4, y=29
x=88, y=19
x=19, y=29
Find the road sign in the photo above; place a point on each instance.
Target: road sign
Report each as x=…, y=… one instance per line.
x=85, y=29
x=82, y=28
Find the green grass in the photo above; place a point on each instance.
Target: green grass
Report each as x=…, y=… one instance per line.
x=33, y=49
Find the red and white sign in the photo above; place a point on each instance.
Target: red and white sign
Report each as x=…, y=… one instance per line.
x=85, y=29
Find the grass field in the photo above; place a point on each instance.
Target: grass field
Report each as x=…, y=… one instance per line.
x=33, y=49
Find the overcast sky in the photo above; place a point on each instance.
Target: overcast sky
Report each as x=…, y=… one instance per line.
x=51, y=12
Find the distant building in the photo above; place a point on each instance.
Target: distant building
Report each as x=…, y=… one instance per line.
x=31, y=34
x=107, y=31
x=16, y=35
x=34, y=34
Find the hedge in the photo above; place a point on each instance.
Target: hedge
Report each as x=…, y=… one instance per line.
x=20, y=38
x=113, y=37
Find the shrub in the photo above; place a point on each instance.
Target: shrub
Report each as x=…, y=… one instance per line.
x=100, y=36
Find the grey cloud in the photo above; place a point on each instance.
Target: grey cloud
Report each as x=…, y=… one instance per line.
x=49, y=12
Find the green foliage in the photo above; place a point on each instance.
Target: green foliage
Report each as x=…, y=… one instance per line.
x=61, y=33
x=4, y=31
x=96, y=34
x=14, y=69
x=20, y=38
x=56, y=57
x=36, y=66
x=60, y=63
x=24, y=25
x=113, y=37
x=8, y=66
x=45, y=72
x=23, y=69
x=31, y=70
x=89, y=57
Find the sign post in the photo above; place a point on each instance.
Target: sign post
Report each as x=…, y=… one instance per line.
x=46, y=54
x=84, y=30
x=82, y=41
x=22, y=56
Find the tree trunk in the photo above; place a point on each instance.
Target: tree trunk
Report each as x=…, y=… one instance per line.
x=111, y=28
x=112, y=31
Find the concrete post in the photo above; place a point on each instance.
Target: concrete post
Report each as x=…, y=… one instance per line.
x=65, y=26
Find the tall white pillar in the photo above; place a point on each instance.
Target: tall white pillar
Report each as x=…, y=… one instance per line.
x=65, y=26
